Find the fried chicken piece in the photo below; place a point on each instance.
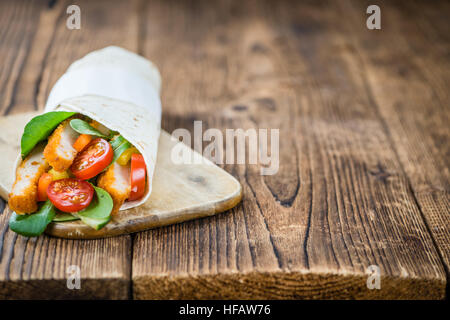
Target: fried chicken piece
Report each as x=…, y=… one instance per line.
x=59, y=151
x=22, y=198
x=117, y=182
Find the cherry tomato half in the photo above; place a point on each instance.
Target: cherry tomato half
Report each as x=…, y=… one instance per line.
x=95, y=157
x=69, y=194
x=138, y=172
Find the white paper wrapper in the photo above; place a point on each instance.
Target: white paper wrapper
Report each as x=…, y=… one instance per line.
x=120, y=90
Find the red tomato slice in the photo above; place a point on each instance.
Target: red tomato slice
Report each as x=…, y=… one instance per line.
x=138, y=172
x=70, y=195
x=95, y=157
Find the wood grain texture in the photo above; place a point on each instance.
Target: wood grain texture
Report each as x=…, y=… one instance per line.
x=36, y=268
x=20, y=20
x=43, y=48
x=408, y=82
x=341, y=200
x=363, y=118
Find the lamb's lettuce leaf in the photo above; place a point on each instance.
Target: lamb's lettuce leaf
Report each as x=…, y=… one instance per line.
x=82, y=127
x=39, y=128
x=33, y=225
x=98, y=213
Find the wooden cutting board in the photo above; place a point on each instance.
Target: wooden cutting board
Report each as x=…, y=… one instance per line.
x=180, y=191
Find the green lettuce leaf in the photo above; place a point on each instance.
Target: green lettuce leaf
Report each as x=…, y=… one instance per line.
x=33, y=225
x=98, y=213
x=39, y=128
x=82, y=127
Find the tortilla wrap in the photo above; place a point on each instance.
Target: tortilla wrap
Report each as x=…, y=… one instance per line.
x=120, y=90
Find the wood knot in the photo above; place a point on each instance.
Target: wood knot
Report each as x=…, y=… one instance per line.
x=197, y=179
x=240, y=107
x=51, y=3
x=267, y=103
x=222, y=38
x=380, y=173
x=258, y=48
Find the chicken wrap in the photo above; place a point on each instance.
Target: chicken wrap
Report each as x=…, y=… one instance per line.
x=93, y=150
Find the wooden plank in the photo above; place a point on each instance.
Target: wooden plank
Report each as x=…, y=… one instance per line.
x=408, y=81
x=39, y=48
x=19, y=21
x=36, y=268
x=340, y=201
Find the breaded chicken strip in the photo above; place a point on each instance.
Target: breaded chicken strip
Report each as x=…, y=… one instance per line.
x=116, y=181
x=22, y=198
x=59, y=151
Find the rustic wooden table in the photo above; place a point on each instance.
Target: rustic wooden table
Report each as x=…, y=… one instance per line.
x=364, y=147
